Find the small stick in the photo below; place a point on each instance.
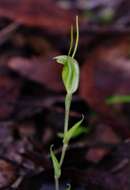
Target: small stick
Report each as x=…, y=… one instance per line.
x=5, y=33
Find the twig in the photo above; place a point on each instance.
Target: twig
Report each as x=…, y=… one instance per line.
x=5, y=32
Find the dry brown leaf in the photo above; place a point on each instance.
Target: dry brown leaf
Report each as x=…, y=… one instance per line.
x=45, y=14
x=9, y=92
x=42, y=70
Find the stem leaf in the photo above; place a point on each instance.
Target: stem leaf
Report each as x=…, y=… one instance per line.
x=70, y=73
x=73, y=132
x=56, y=164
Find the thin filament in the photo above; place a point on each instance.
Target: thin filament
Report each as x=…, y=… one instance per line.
x=77, y=37
x=71, y=40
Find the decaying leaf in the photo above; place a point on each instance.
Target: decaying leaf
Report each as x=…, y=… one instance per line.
x=44, y=14
x=105, y=73
x=38, y=70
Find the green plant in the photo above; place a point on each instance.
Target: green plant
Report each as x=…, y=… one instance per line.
x=118, y=99
x=68, y=187
x=70, y=78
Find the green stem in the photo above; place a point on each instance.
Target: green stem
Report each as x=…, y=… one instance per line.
x=66, y=124
x=64, y=148
x=56, y=183
x=67, y=111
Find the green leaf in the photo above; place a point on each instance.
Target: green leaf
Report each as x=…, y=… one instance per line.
x=78, y=132
x=70, y=73
x=106, y=16
x=68, y=187
x=56, y=164
x=118, y=99
x=60, y=135
x=73, y=132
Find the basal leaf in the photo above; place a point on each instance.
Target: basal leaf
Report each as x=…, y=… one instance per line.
x=56, y=165
x=75, y=131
